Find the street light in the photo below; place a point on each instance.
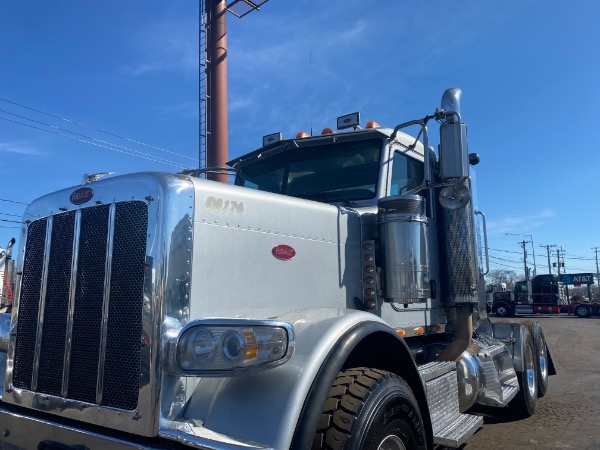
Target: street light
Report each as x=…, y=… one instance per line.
x=530, y=236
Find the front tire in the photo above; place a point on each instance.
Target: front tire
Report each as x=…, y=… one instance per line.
x=503, y=310
x=370, y=409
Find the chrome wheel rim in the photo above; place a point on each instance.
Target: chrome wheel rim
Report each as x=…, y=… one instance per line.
x=530, y=374
x=392, y=442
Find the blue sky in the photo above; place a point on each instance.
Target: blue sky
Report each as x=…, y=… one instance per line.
x=528, y=69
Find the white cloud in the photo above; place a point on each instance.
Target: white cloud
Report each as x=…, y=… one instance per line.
x=171, y=45
x=19, y=148
x=525, y=223
x=185, y=109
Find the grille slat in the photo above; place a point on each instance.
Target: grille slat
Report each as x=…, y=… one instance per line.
x=89, y=293
x=29, y=304
x=56, y=305
x=124, y=332
x=122, y=358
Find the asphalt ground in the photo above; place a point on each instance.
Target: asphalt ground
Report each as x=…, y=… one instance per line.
x=568, y=416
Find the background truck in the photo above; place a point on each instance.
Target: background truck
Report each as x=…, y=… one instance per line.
x=327, y=300
x=543, y=294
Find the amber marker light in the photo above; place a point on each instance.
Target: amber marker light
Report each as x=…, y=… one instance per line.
x=372, y=124
x=370, y=291
x=302, y=134
x=437, y=328
x=419, y=331
x=369, y=269
x=367, y=246
x=327, y=131
x=401, y=332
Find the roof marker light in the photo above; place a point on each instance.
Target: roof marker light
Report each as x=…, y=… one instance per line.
x=302, y=134
x=271, y=139
x=349, y=121
x=327, y=131
x=372, y=124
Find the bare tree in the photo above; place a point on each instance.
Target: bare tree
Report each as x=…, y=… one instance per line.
x=498, y=276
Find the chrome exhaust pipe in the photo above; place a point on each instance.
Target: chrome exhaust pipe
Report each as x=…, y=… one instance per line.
x=451, y=100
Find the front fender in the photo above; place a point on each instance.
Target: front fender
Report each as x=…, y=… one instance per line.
x=268, y=407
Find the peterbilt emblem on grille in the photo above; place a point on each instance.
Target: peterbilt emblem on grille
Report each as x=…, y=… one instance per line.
x=283, y=252
x=81, y=195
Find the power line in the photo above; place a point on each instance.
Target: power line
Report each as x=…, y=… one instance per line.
x=83, y=135
x=148, y=157
x=505, y=260
x=504, y=251
x=95, y=129
x=13, y=201
x=12, y=215
x=13, y=221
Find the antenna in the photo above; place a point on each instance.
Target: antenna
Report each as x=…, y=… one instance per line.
x=310, y=92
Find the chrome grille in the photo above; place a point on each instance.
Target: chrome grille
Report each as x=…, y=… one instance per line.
x=80, y=309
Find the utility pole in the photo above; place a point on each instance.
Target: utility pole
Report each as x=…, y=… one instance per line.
x=525, y=258
x=558, y=265
x=597, y=271
x=548, y=252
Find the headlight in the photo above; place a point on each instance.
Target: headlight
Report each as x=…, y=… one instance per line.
x=228, y=347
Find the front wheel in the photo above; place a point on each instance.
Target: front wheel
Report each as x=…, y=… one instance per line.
x=370, y=409
x=503, y=310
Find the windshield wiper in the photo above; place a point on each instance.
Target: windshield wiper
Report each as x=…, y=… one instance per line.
x=326, y=197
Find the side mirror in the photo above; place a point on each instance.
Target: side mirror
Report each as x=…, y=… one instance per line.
x=454, y=155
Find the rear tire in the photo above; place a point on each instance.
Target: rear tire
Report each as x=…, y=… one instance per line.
x=582, y=311
x=542, y=360
x=370, y=409
x=523, y=405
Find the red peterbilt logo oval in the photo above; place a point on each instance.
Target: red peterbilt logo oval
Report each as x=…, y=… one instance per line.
x=284, y=252
x=81, y=195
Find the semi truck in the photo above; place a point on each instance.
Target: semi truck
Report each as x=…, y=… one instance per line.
x=543, y=294
x=329, y=298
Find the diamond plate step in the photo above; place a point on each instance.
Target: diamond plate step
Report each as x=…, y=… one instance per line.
x=450, y=427
x=456, y=433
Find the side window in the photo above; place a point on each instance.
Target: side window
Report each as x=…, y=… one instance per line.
x=407, y=174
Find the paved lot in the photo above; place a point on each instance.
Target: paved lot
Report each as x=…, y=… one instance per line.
x=568, y=416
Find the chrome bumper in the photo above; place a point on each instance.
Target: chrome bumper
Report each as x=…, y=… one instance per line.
x=18, y=431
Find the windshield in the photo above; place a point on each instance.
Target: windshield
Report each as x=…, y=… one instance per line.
x=342, y=172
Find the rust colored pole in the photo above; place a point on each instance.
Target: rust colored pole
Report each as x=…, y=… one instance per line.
x=216, y=77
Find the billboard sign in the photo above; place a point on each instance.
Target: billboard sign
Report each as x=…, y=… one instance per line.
x=577, y=278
